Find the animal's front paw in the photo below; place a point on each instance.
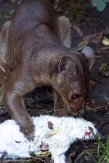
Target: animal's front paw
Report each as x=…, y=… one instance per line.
x=28, y=131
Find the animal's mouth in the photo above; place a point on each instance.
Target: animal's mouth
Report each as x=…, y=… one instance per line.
x=73, y=110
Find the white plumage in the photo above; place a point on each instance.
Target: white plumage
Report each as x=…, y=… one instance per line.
x=65, y=131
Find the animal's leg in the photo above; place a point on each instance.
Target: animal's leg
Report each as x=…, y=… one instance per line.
x=13, y=99
x=60, y=109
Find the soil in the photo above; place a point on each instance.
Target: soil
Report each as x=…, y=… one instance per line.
x=97, y=109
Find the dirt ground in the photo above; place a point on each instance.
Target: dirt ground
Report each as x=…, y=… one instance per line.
x=91, y=30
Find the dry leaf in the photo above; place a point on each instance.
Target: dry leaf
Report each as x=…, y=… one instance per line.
x=105, y=41
x=94, y=38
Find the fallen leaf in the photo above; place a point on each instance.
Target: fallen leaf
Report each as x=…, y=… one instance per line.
x=106, y=74
x=94, y=38
x=105, y=41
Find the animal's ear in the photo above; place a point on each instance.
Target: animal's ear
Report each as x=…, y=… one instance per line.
x=89, y=54
x=5, y=30
x=65, y=63
x=62, y=64
x=64, y=31
x=3, y=41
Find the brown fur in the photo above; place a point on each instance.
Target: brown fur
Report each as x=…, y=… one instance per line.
x=36, y=54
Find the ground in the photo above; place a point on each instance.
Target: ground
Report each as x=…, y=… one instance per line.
x=92, y=29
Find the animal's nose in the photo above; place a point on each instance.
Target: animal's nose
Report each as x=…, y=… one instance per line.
x=82, y=111
x=74, y=111
x=77, y=109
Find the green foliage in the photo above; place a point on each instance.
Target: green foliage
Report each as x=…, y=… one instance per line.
x=100, y=4
x=77, y=11
x=103, y=151
x=99, y=154
x=32, y=154
x=104, y=67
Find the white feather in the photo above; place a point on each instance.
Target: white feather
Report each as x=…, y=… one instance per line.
x=65, y=131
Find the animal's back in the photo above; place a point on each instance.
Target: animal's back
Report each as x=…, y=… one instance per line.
x=29, y=15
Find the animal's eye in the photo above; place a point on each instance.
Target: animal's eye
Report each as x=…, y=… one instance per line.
x=75, y=96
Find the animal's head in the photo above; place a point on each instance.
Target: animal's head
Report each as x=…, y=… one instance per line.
x=74, y=77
